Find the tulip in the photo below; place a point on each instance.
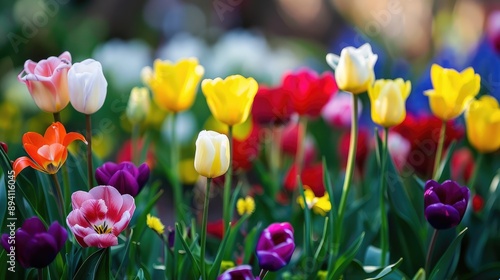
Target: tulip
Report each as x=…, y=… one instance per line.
x=319, y=205
x=241, y=272
x=445, y=204
x=87, y=86
x=387, y=99
x=452, y=91
x=34, y=244
x=338, y=111
x=99, y=216
x=312, y=176
x=173, y=84
x=48, y=152
x=272, y=106
x=230, y=100
x=47, y=82
x=138, y=105
x=4, y=147
x=462, y=164
x=477, y=203
x=275, y=246
x=211, y=158
x=309, y=92
x=482, y=119
x=354, y=68
x=124, y=176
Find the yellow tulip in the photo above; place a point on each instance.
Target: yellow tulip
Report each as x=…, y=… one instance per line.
x=174, y=84
x=231, y=99
x=245, y=205
x=353, y=68
x=452, y=91
x=319, y=205
x=388, y=99
x=138, y=105
x=482, y=119
x=211, y=158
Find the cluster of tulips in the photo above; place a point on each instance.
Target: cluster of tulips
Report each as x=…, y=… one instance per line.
x=101, y=214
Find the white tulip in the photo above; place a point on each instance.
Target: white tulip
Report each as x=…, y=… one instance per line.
x=211, y=158
x=87, y=86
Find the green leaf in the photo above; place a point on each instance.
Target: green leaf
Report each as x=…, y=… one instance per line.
x=345, y=259
x=387, y=270
x=214, y=270
x=420, y=275
x=187, y=249
x=96, y=266
x=444, y=167
x=250, y=242
x=447, y=264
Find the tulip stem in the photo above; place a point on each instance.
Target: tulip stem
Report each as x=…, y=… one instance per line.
x=479, y=161
x=204, y=230
x=227, y=184
x=57, y=116
x=351, y=159
x=174, y=164
x=90, y=176
x=274, y=156
x=301, y=145
x=439, y=151
x=135, y=143
x=60, y=202
x=384, y=236
x=429, y=251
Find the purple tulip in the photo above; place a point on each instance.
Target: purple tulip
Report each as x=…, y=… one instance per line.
x=34, y=245
x=124, y=176
x=445, y=204
x=241, y=272
x=275, y=246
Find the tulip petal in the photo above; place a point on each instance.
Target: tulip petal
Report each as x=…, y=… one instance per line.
x=73, y=136
x=23, y=162
x=59, y=233
x=111, y=197
x=101, y=240
x=442, y=216
x=55, y=133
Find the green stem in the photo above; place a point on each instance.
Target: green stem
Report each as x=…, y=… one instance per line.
x=299, y=159
x=135, y=143
x=174, y=164
x=274, y=157
x=40, y=274
x=90, y=175
x=226, y=214
x=57, y=116
x=204, y=230
x=384, y=235
x=60, y=202
x=439, y=151
x=479, y=161
x=66, y=186
x=429, y=252
x=351, y=160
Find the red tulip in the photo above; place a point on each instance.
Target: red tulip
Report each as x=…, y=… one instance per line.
x=245, y=151
x=462, y=165
x=272, y=106
x=311, y=176
x=309, y=92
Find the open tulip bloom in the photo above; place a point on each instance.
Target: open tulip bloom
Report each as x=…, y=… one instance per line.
x=445, y=203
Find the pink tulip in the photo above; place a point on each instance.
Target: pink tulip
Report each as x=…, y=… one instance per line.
x=99, y=216
x=47, y=81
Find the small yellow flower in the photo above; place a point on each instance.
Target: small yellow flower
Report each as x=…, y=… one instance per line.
x=452, y=91
x=155, y=224
x=388, y=99
x=482, y=119
x=211, y=158
x=245, y=205
x=225, y=265
x=231, y=99
x=319, y=205
x=174, y=84
x=138, y=105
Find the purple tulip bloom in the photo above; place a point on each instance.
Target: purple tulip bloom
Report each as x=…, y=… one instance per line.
x=34, y=245
x=241, y=272
x=275, y=246
x=124, y=176
x=445, y=204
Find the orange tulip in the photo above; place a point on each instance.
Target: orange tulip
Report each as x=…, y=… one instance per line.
x=48, y=152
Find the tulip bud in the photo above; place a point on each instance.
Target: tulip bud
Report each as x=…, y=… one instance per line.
x=353, y=68
x=138, y=105
x=125, y=176
x=445, y=204
x=211, y=158
x=388, y=99
x=275, y=246
x=87, y=86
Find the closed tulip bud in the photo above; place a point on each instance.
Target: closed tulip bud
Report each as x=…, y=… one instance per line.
x=445, y=204
x=47, y=81
x=230, y=100
x=388, y=99
x=138, y=105
x=452, y=91
x=482, y=120
x=275, y=246
x=87, y=86
x=353, y=68
x=211, y=158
